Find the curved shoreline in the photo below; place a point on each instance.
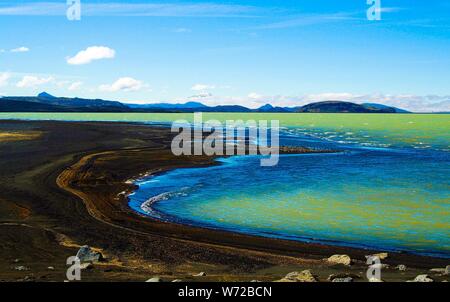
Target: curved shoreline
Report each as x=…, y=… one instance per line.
x=152, y=213
x=276, y=246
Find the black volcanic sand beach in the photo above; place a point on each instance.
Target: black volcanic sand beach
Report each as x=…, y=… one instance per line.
x=64, y=185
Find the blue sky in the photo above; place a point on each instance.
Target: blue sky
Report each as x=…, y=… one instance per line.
x=230, y=52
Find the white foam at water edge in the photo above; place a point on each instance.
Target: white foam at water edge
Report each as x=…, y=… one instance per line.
x=147, y=205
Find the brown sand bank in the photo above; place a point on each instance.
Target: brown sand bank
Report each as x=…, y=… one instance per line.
x=68, y=186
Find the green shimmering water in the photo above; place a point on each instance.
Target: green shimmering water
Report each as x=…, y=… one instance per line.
x=422, y=130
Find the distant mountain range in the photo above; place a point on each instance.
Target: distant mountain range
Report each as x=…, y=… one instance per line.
x=45, y=102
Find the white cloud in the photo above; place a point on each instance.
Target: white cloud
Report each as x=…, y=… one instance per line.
x=20, y=49
x=75, y=86
x=33, y=9
x=33, y=81
x=123, y=84
x=202, y=87
x=4, y=77
x=90, y=54
x=132, y=9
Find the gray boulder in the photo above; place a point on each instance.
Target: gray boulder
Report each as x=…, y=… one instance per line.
x=347, y=279
x=343, y=276
x=86, y=254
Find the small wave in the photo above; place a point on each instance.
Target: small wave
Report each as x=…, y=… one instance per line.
x=147, y=206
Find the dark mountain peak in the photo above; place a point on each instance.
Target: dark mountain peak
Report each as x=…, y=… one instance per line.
x=45, y=95
x=265, y=107
x=268, y=108
x=194, y=105
x=342, y=107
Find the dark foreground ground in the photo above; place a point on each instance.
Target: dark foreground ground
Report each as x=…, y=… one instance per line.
x=64, y=185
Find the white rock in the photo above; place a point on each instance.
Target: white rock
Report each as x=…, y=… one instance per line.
x=423, y=278
x=303, y=276
x=340, y=259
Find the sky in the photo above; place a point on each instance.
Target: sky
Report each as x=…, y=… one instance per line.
x=283, y=52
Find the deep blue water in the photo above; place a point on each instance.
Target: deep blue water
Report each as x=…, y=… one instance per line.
x=368, y=195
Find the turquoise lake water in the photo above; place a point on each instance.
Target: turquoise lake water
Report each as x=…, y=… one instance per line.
x=389, y=189
x=377, y=193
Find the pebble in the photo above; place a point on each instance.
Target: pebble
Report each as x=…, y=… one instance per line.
x=401, y=267
x=21, y=268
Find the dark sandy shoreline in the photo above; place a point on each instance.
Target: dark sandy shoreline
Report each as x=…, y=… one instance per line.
x=69, y=188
